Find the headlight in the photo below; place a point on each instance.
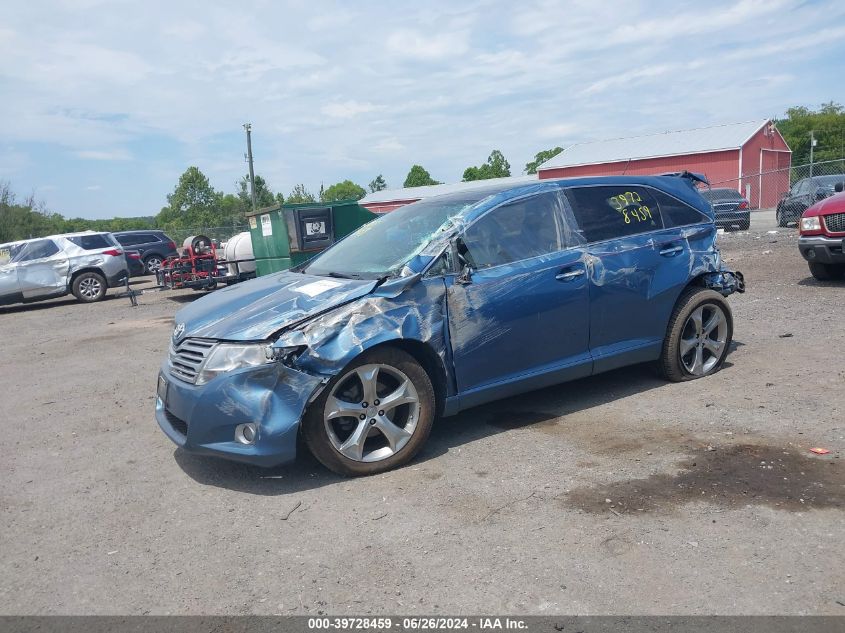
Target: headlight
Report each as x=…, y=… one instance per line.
x=811, y=224
x=229, y=357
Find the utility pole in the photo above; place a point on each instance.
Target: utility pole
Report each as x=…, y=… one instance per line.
x=248, y=128
x=812, y=146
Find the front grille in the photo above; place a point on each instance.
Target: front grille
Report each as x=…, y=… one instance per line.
x=835, y=222
x=187, y=357
x=179, y=425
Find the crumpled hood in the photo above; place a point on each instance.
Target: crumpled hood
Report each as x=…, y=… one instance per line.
x=256, y=309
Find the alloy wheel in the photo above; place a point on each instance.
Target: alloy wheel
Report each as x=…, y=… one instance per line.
x=154, y=264
x=703, y=339
x=371, y=413
x=90, y=288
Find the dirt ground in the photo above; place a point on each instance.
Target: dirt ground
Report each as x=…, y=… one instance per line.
x=618, y=494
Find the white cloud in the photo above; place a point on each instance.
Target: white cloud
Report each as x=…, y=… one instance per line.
x=557, y=131
x=104, y=154
x=388, y=145
x=93, y=188
x=348, y=109
x=430, y=45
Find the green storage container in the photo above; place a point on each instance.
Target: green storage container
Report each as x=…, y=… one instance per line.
x=290, y=234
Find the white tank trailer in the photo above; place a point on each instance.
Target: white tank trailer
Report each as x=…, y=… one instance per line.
x=239, y=248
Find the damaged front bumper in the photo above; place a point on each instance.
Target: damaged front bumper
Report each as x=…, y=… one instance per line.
x=725, y=282
x=203, y=419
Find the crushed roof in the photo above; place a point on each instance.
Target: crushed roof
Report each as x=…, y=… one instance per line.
x=426, y=191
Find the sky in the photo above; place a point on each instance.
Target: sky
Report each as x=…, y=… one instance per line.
x=103, y=104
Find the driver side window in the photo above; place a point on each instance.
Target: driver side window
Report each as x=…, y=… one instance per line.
x=515, y=231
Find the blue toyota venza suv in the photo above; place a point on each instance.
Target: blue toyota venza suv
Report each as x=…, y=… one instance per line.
x=445, y=304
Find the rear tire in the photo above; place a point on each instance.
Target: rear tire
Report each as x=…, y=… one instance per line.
x=89, y=287
x=332, y=437
x=745, y=225
x=698, y=337
x=827, y=272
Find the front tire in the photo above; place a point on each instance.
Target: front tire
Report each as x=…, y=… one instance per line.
x=780, y=217
x=373, y=416
x=698, y=337
x=826, y=272
x=89, y=287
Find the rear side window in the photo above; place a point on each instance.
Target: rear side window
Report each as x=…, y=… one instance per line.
x=92, y=242
x=35, y=250
x=515, y=231
x=676, y=213
x=129, y=240
x=605, y=213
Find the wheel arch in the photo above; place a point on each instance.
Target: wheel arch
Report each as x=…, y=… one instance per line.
x=84, y=269
x=428, y=359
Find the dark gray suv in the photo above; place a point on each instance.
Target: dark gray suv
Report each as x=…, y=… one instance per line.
x=153, y=246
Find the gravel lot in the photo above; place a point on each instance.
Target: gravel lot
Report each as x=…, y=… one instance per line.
x=614, y=494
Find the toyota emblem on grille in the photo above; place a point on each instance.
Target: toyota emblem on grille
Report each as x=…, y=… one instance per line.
x=178, y=331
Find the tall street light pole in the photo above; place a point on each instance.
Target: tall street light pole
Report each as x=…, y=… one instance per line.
x=248, y=128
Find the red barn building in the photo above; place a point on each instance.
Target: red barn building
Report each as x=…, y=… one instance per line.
x=751, y=157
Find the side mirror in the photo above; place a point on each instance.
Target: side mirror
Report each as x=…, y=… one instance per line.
x=839, y=186
x=465, y=276
x=458, y=251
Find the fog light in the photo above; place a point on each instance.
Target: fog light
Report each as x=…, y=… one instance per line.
x=811, y=253
x=245, y=433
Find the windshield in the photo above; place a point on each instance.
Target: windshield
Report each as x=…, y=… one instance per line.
x=385, y=244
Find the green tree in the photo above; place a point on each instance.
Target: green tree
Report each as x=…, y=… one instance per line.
x=495, y=167
x=827, y=125
x=194, y=202
x=419, y=177
x=27, y=218
x=540, y=158
x=346, y=190
x=377, y=184
x=300, y=195
x=264, y=196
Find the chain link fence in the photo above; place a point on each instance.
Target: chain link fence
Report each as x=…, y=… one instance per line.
x=220, y=233
x=769, y=188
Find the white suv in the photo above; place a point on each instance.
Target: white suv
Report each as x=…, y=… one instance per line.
x=86, y=264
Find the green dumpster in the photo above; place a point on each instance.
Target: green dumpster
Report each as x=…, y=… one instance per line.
x=287, y=235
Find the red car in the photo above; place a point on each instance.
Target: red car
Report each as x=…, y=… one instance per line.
x=822, y=237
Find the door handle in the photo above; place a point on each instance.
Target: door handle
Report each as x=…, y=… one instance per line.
x=569, y=274
x=671, y=251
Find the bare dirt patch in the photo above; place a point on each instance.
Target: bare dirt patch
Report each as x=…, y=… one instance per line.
x=726, y=476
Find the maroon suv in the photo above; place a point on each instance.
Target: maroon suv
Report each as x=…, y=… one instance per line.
x=822, y=236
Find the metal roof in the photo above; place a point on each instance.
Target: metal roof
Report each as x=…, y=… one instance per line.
x=417, y=193
x=704, y=139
